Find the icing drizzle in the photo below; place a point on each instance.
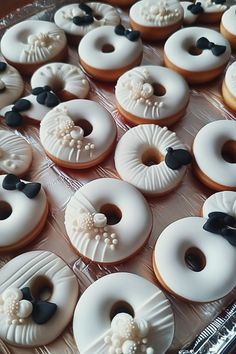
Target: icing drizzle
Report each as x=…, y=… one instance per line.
x=161, y=13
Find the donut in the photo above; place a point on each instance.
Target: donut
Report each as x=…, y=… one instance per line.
x=66, y=80
x=79, y=19
x=224, y=202
x=34, y=292
x=123, y=313
x=152, y=94
x=31, y=108
x=214, y=152
x=15, y=153
x=227, y=26
x=99, y=216
x=107, y=52
x=229, y=86
x=195, y=272
x=121, y=3
x=29, y=44
x=78, y=134
x=199, y=54
x=212, y=11
x=156, y=19
x=23, y=212
x=152, y=159
x=191, y=11
x=11, y=84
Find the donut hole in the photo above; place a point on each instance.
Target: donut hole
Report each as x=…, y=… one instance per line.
x=193, y=50
x=159, y=90
x=42, y=288
x=5, y=210
x=229, y=151
x=98, y=16
x=112, y=212
x=108, y=48
x=121, y=307
x=85, y=125
x=57, y=84
x=195, y=259
x=151, y=157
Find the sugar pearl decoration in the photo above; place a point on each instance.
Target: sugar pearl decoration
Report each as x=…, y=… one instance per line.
x=99, y=220
x=160, y=13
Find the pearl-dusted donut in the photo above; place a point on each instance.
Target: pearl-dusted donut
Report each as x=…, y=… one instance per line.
x=78, y=134
x=29, y=44
x=182, y=53
x=138, y=101
x=229, y=86
x=120, y=312
x=99, y=217
x=227, y=26
x=106, y=55
x=213, y=140
x=224, y=202
x=27, y=282
x=140, y=159
x=187, y=259
x=11, y=84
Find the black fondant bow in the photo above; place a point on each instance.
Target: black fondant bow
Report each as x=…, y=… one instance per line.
x=176, y=158
x=43, y=311
x=12, y=182
x=3, y=66
x=84, y=20
x=45, y=96
x=222, y=224
x=13, y=118
x=217, y=50
x=133, y=36
x=196, y=8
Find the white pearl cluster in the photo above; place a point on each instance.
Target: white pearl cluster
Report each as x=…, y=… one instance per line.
x=129, y=336
x=41, y=41
x=14, y=307
x=8, y=161
x=161, y=13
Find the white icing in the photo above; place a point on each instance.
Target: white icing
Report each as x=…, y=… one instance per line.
x=189, y=17
x=125, y=51
x=32, y=41
x=210, y=6
x=21, y=272
x=64, y=16
x=64, y=140
x=135, y=92
x=155, y=179
x=12, y=86
x=156, y=13
x=25, y=217
x=221, y=201
x=169, y=258
x=69, y=77
x=153, y=322
x=230, y=78
x=178, y=44
x=108, y=244
x=228, y=20
x=15, y=153
x=207, y=149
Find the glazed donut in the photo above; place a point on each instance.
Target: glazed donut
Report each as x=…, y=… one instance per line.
x=156, y=19
x=29, y=44
x=195, y=256
x=227, y=26
x=229, y=86
x=106, y=52
x=152, y=94
x=146, y=157
x=23, y=212
x=191, y=11
x=15, y=153
x=78, y=134
x=99, y=217
x=66, y=80
x=212, y=11
x=34, y=292
x=199, y=54
x=79, y=19
x=11, y=84
x=224, y=202
x=123, y=313
x=121, y=3
x=214, y=153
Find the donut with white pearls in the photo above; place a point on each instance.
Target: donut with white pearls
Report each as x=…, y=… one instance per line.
x=11, y=84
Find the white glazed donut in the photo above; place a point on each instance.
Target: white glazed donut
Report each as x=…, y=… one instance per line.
x=190, y=16
x=229, y=86
x=22, y=217
x=48, y=278
x=138, y=101
x=120, y=306
x=227, y=26
x=11, y=84
x=78, y=134
x=15, y=153
x=210, y=142
x=99, y=217
x=202, y=65
x=72, y=18
x=188, y=261
x=140, y=159
x=31, y=43
x=221, y=201
x=106, y=55
x=156, y=19
x=66, y=80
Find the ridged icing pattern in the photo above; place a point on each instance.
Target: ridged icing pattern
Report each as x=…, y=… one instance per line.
x=221, y=201
x=11, y=80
